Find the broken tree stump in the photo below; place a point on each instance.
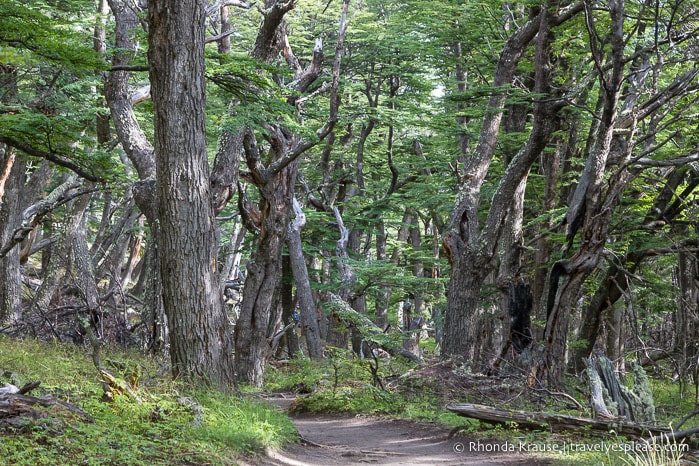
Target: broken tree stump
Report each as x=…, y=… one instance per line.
x=554, y=422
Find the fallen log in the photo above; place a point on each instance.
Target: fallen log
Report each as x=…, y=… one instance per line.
x=17, y=407
x=554, y=422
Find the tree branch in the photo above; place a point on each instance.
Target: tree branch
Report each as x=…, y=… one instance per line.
x=212, y=8
x=323, y=132
x=58, y=159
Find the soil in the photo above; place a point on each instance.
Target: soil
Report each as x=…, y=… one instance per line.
x=327, y=440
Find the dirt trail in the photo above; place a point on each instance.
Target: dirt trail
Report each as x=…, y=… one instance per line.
x=343, y=440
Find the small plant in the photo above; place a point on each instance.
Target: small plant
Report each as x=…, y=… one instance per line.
x=662, y=450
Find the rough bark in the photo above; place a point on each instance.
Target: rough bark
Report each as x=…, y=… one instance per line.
x=687, y=317
x=13, y=176
x=304, y=294
x=263, y=275
x=200, y=333
x=289, y=318
x=414, y=320
x=383, y=294
x=590, y=210
x=275, y=184
x=616, y=280
x=337, y=332
x=139, y=151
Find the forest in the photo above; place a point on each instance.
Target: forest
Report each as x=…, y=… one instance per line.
x=225, y=184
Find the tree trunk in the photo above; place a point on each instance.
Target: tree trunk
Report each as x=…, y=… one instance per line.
x=470, y=249
x=304, y=294
x=383, y=293
x=338, y=334
x=289, y=318
x=553, y=422
x=590, y=211
x=200, y=333
x=12, y=173
x=414, y=319
x=264, y=273
x=140, y=153
x=687, y=317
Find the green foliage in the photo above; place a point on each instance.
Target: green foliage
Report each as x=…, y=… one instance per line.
x=37, y=32
x=170, y=425
x=342, y=383
x=50, y=73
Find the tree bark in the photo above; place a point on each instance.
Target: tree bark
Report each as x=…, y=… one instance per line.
x=275, y=184
x=687, y=317
x=304, y=294
x=252, y=328
x=12, y=171
x=200, y=333
x=590, y=210
x=140, y=153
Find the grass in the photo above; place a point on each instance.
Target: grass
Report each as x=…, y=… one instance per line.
x=171, y=424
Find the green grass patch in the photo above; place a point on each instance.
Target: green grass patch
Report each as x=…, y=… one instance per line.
x=170, y=424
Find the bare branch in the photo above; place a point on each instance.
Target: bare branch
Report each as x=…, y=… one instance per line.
x=218, y=37
x=129, y=68
x=220, y=3
x=322, y=133
x=141, y=94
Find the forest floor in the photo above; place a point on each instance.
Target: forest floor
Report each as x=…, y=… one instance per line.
x=342, y=439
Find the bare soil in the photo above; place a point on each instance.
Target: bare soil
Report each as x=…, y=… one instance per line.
x=327, y=440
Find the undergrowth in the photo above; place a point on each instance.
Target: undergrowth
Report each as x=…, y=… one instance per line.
x=342, y=383
x=168, y=424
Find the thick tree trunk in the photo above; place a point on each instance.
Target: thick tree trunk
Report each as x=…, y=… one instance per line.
x=289, y=318
x=462, y=316
x=200, y=334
